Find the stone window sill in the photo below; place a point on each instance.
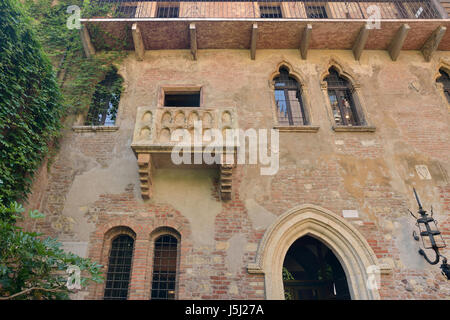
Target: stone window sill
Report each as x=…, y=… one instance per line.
x=354, y=129
x=297, y=128
x=95, y=128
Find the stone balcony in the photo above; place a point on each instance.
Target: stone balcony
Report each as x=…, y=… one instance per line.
x=155, y=138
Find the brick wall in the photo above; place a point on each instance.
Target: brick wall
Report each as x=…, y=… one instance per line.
x=93, y=185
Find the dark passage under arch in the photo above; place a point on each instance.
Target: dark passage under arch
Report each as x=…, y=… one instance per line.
x=311, y=271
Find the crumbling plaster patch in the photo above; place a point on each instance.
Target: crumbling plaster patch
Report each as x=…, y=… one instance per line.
x=88, y=186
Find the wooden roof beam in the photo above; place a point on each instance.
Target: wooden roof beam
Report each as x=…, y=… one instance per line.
x=138, y=42
x=360, y=42
x=432, y=43
x=397, y=43
x=88, y=47
x=306, y=38
x=193, y=40
x=254, y=39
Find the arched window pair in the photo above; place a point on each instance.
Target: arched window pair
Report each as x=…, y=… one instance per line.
x=291, y=106
x=120, y=261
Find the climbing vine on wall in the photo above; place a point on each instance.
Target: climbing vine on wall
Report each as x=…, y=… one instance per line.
x=30, y=102
x=78, y=75
x=44, y=79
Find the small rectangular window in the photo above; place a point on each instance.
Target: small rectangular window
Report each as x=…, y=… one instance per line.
x=316, y=12
x=171, y=11
x=182, y=99
x=270, y=12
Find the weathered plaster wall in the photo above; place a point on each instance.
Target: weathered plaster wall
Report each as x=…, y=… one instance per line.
x=93, y=183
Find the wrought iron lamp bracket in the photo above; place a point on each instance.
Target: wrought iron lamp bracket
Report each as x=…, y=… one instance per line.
x=425, y=219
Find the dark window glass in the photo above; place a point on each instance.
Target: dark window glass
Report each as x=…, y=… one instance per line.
x=165, y=268
x=445, y=80
x=119, y=268
x=270, y=11
x=341, y=99
x=315, y=12
x=168, y=12
x=182, y=99
x=289, y=101
x=105, y=101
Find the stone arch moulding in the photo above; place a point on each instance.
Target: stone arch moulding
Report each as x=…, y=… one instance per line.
x=442, y=64
x=333, y=63
x=292, y=72
x=349, y=246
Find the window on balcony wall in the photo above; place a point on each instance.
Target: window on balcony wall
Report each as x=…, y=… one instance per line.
x=273, y=11
x=119, y=268
x=182, y=98
x=105, y=101
x=168, y=11
x=165, y=268
x=315, y=11
x=445, y=80
x=289, y=100
x=340, y=93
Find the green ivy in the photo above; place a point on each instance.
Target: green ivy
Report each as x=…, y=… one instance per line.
x=62, y=44
x=33, y=106
x=30, y=102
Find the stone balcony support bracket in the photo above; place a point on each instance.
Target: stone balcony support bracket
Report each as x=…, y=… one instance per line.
x=226, y=176
x=138, y=42
x=145, y=174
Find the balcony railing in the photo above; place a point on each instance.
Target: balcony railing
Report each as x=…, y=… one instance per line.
x=267, y=9
x=154, y=126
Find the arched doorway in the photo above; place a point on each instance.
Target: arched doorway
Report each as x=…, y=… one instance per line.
x=311, y=271
x=347, y=244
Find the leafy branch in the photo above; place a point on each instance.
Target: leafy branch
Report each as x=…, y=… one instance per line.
x=35, y=268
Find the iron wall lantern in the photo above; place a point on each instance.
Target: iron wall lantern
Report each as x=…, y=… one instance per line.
x=431, y=237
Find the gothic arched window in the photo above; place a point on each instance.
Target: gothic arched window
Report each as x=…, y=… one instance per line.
x=445, y=80
x=119, y=268
x=165, y=268
x=105, y=101
x=289, y=100
x=340, y=93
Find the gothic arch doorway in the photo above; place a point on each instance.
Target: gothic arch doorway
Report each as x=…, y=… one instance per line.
x=311, y=271
x=347, y=244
